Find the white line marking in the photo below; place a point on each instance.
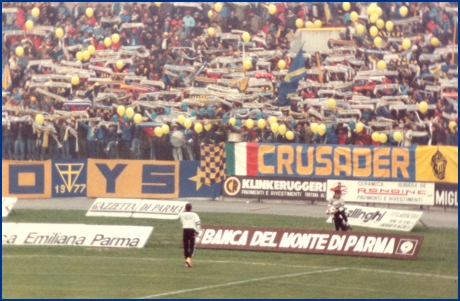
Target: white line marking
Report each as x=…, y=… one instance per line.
x=237, y=282
x=404, y=273
x=229, y=262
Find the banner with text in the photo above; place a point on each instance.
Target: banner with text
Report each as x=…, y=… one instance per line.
x=137, y=208
x=437, y=164
x=383, y=192
x=446, y=195
x=31, y=234
x=69, y=178
x=275, y=188
x=310, y=241
x=26, y=179
x=332, y=162
x=380, y=218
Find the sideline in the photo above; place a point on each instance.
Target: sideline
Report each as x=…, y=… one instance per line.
x=232, y=262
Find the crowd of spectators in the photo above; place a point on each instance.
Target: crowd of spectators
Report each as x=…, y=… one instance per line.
x=189, y=35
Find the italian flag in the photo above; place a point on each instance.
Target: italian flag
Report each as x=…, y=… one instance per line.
x=241, y=158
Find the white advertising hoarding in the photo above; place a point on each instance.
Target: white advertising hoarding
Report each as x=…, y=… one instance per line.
x=33, y=234
x=383, y=192
x=137, y=208
x=381, y=218
x=7, y=205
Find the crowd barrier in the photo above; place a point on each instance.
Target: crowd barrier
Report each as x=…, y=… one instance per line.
x=422, y=175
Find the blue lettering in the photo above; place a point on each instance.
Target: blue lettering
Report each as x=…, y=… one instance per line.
x=158, y=179
x=38, y=172
x=111, y=175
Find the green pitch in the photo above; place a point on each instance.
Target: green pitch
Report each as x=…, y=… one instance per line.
x=158, y=270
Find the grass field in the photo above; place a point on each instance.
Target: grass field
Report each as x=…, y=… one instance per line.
x=158, y=271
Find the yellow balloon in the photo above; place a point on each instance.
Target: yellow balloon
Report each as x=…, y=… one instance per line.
x=373, y=18
x=274, y=128
x=208, y=127
x=373, y=31
x=89, y=12
x=375, y=137
x=371, y=8
x=378, y=11
x=121, y=110
x=360, y=29
x=165, y=128
x=423, y=106
x=35, y=12
x=181, y=119
x=232, y=121
x=383, y=138
x=380, y=23
x=281, y=64
x=381, y=65
x=309, y=24
x=272, y=9
x=322, y=129
x=198, y=128
x=289, y=135
x=115, y=38
x=86, y=55
x=346, y=6
x=59, y=33
x=210, y=13
x=39, y=118
x=187, y=123
x=107, y=42
x=246, y=36
x=378, y=41
x=331, y=103
x=218, y=7
x=272, y=119
x=119, y=65
x=282, y=129
x=452, y=126
x=211, y=31
x=158, y=131
x=398, y=136
x=137, y=118
x=79, y=56
x=434, y=41
x=91, y=49
x=75, y=80
x=406, y=44
x=19, y=51
x=247, y=64
x=129, y=113
x=314, y=127
x=249, y=123
x=403, y=11
x=29, y=24
x=317, y=24
x=354, y=16
x=299, y=23
x=157, y=4
x=359, y=127
x=261, y=123
x=389, y=25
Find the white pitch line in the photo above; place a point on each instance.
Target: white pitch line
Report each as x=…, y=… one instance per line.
x=404, y=273
x=237, y=282
x=230, y=262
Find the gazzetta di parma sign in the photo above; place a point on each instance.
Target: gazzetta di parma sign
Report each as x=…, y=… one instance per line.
x=310, y=241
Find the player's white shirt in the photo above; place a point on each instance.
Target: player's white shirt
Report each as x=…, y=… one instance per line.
x=190, y=220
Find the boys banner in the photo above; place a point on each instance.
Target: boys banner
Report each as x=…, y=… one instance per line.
x=336, y=162
x=437, y=164
x=26, y=179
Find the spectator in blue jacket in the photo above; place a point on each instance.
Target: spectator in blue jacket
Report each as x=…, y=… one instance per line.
x=91, y=137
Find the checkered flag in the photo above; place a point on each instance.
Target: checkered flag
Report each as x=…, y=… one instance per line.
x=212, y=163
